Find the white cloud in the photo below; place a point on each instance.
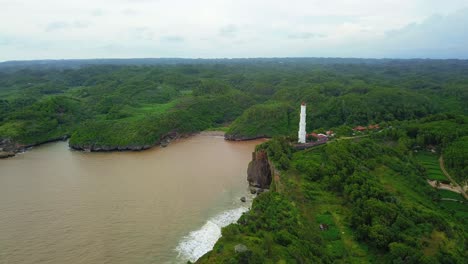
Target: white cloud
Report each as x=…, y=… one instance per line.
x=64, y=25
x=31, y=29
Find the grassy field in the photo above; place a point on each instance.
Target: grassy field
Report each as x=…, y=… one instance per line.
x=405, y=190
x=450, y=195
x=431, y=164
x=459, y=209
x=323, y=207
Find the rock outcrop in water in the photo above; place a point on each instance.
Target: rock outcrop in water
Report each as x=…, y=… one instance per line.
x=6, y=154
x=163, y=142
x=259, y=171
x=9, y=147
x=109, y=148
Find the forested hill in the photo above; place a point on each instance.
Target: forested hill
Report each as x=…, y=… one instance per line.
x=358, y=200
x=123, y=106
x=369, y=188
x=78, y=63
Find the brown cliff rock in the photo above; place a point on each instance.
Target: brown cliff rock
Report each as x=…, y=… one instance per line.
x=259, y=172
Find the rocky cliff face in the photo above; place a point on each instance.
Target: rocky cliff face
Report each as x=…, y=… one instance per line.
x=233, y=137
x=259, y=171
x=109, y=148
x=163, y=142
x=9, y=148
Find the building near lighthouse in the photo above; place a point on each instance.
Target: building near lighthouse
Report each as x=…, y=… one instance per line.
x=302, y=125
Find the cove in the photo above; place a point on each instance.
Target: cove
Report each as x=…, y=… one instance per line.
x=63, y=206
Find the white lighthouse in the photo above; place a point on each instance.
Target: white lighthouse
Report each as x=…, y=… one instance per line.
x=302, y=125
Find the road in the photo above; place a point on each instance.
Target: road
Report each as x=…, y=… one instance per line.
x=442, y=167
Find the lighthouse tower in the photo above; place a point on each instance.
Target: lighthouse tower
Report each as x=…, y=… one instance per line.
x=302, y=125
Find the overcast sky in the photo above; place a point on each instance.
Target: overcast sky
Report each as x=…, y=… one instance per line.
x=57, y=29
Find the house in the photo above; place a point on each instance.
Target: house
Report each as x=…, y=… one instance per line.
x=360, y=128
x=318, y=136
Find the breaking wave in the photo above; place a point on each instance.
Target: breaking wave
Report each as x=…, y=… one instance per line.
x=200, y=241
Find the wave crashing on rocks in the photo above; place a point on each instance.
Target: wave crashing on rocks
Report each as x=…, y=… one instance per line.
x=200, y=241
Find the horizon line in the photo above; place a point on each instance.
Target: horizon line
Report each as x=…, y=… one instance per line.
x=229, y=58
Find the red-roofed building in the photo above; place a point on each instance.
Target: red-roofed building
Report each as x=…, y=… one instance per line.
x=360, y=128
x=319, y=137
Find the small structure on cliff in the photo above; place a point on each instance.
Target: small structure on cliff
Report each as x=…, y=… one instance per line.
x=302, y=125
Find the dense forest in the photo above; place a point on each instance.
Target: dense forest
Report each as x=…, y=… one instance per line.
x=147, y=99
x=362, y=200
x=369, y=188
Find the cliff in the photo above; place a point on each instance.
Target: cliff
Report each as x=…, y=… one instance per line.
x=259, y=171
x=9, y=147
x=96, y=147
x=233, y=137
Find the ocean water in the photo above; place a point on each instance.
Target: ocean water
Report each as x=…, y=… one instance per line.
x=164, y=205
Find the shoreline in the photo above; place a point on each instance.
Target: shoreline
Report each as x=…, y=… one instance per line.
x=190, y=247
x=215, y=200
x=234, y=138
x=20, y=148
x=12, y=149
x=202, y=240
x=164, y=142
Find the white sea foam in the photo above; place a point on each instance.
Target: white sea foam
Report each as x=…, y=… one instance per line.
x=198, y=242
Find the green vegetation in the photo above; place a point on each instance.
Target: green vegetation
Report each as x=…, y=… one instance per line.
x=43, y=101
x=430, y=162
x=445, y=133
x=188, y=115
x=457, y=209
x=372, y=196
x=264, y=120
x=456, y=159
x=111, y=107
x=369, y=191
x=450, y=195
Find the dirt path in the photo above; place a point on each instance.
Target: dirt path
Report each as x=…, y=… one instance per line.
x=442, y=167
x=443, y=186
x=450, y=199
x=353, y=137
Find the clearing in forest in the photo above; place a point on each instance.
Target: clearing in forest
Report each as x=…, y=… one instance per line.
x=431, y=164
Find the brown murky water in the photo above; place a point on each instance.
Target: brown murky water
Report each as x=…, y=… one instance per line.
x=63, y=206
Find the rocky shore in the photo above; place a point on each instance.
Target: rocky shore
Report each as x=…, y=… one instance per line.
x=6, y=154
x=243, y=138
x=163, y=142
x=98, y=148
x=9, y=148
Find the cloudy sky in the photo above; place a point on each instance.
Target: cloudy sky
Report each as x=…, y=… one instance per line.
x=56, y=29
